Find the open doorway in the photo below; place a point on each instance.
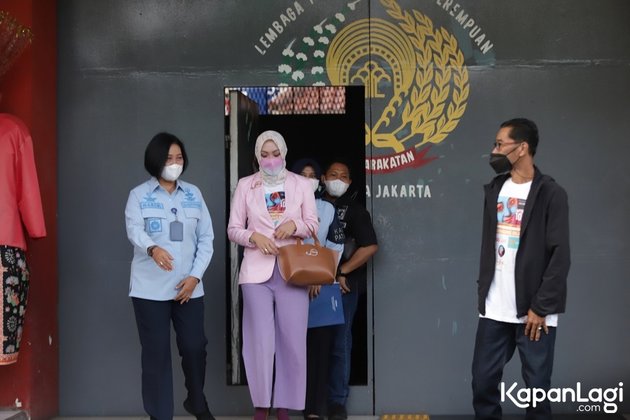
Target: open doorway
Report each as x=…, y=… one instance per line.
x=321, y=123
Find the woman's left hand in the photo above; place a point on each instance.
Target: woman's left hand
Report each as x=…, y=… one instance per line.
x=285, y=230
x=186, y=288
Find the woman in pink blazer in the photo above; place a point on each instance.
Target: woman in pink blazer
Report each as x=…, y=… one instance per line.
x=270, y=209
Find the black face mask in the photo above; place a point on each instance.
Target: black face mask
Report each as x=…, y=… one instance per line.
x=500, y=163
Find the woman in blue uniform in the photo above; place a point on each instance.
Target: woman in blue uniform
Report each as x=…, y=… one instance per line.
x=170, y=229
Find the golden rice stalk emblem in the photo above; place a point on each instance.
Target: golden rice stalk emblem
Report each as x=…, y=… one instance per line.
x=421, y=67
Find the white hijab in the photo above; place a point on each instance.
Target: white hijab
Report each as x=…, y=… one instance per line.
x=272, y=180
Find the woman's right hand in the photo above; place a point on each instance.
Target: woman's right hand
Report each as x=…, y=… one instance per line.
x=162, y=258
x=266, y=245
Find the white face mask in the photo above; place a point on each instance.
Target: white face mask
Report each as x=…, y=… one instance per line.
x=336, y=187
x=314, y=183
x=172, y=172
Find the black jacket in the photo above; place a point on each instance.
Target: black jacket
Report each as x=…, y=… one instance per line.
x=359, y=232
x=542, y=258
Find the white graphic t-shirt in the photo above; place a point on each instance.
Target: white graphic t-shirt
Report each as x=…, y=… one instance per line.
x=274, y=197
x=501, y=299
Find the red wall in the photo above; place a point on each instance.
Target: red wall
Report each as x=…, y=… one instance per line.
x=29, y=92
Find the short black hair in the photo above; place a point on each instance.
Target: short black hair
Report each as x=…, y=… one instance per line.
x=156, y=153
x=522, y=129
x=337, y=160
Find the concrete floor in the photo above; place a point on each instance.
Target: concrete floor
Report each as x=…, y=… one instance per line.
x=556, y=417
x=19, y=415
x=466, y=417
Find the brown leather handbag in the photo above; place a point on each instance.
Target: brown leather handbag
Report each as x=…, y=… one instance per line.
x=307, y=264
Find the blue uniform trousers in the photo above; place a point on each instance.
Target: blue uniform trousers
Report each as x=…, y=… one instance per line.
x=154, y=319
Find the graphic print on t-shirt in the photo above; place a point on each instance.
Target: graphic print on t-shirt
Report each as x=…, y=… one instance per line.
x=275, y=205
x=509, y=216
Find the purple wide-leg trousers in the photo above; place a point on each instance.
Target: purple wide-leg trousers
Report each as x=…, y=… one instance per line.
x=275, y=317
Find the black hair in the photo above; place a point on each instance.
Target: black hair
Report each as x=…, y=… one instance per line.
x=300, y=164
x=522, y=129
x=156, y=153
x=337, y=160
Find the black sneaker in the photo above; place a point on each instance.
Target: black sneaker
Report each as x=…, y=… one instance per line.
x=337, y=412
x=206, y=415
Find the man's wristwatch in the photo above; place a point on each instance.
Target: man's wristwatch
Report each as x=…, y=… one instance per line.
x=150, y=250
x=341, y=273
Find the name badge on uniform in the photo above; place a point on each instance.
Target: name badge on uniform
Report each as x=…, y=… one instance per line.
x=176, y=228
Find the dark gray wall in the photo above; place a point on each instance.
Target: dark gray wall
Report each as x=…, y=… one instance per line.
x=128, y=69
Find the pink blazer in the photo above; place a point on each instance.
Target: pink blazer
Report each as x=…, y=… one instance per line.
x=249, y=214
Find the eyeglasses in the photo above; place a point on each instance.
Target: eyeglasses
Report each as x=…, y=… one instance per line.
x=498, y=146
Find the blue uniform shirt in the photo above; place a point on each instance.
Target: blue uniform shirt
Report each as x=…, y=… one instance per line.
x=149, y=212
x=330, y=233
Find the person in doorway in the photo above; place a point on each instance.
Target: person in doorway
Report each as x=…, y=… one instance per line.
x=169, y=226
x=319, y=337
x=525, y=259
x=270, y=209
x=360, y=246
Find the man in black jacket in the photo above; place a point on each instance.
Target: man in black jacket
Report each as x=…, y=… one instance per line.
x=361, y=245
x=522, y=276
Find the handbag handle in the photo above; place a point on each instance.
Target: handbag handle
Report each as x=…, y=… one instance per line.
x=313, y=235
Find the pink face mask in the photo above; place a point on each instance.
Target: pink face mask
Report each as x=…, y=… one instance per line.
x=272, y=165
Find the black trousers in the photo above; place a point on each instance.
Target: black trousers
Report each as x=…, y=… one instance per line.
x=494, y=347
x=153, y=319
x=318, y=346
